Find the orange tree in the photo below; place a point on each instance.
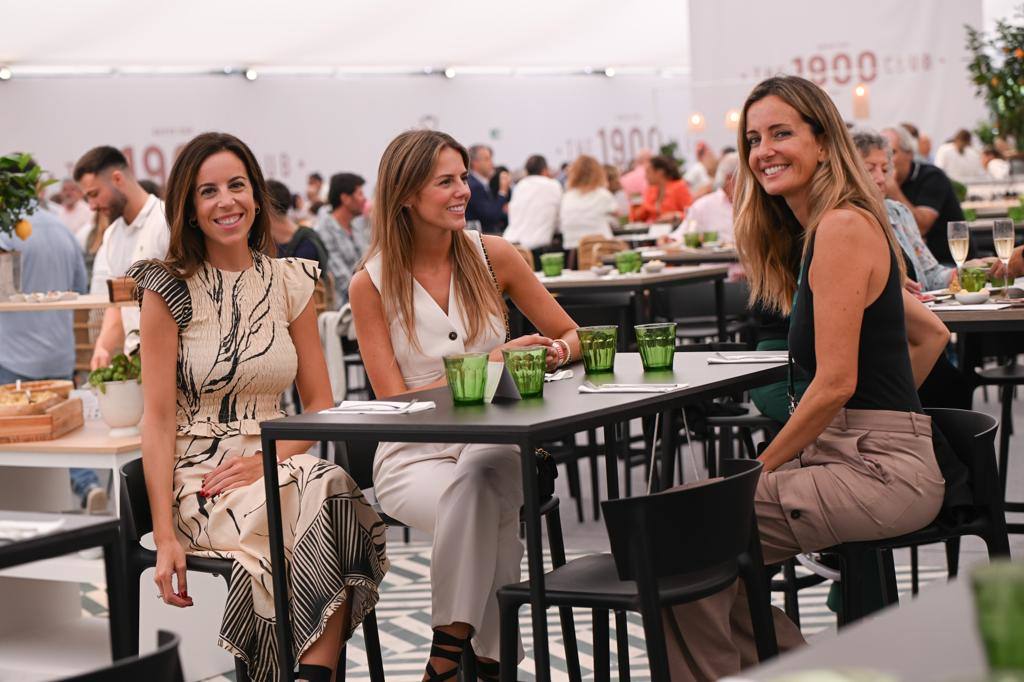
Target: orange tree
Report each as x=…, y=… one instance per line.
x=20, y=181
x=997, y=71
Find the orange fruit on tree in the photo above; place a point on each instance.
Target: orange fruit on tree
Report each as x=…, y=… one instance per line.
x=23, y=229
x=1018, y=53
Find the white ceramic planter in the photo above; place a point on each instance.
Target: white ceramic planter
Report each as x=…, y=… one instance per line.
x=121, y=407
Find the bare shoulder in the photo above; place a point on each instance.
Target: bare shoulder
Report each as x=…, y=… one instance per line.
x=846, y=229
x=361, y=287
x=499, y=251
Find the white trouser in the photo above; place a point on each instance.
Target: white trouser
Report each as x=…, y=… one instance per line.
x=468, y=498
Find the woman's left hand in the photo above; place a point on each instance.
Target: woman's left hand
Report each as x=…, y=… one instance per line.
x=236, y=471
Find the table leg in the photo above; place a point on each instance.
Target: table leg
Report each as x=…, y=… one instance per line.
x=668, y=450
x=720, y=308
x=117, y=603
x=535, y=560
x=277, y=562
x=611, y=462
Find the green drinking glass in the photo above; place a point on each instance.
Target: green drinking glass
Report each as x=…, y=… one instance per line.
x=691, y=239
x=999, y=606
x=467, y=377
x=598, y=347
x=552, y=264
x=657, y=345
x=527, y=365
x=709, y=236
x=973, y=279
x=628, y=261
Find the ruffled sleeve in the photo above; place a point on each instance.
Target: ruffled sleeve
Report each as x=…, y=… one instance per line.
x=300, y=277
x=174, y=291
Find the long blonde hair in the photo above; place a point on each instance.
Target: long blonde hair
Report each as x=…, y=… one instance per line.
x=405, y=168
x=586, y=174
x=769, y=238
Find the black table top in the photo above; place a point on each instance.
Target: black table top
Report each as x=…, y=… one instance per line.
x=562, y=410
x=77, y=531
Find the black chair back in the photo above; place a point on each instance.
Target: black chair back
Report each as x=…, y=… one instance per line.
x=972, y=436
x=162, y=665
x=136, y=519
x=687, y=528
x=356, y=458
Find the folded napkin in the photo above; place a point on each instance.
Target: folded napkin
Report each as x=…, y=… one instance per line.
x=588, y=387
x=11, y=530
x=720, y=359
x=977, y=306
x=379, y=407
x=559, y=375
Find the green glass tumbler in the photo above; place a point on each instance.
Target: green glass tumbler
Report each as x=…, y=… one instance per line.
x=628, y=261
x=598, y=347
x=467, y=377
x=527, y=365
x=657, y=345
x=691, y=239
x=999, y=605
x=552, y=263
x=708, y=236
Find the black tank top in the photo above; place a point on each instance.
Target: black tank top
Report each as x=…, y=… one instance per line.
x=885, y=380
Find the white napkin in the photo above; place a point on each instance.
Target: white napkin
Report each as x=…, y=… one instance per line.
x=977, y=306
x=588, y=387
x=745, y=359
x=11, y=530
x=379, y=407
x=559, y=375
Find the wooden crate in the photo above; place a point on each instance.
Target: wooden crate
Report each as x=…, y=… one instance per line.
x=58, y=420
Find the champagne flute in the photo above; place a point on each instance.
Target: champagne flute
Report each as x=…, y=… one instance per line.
x=1002, y=237
x=959, y=236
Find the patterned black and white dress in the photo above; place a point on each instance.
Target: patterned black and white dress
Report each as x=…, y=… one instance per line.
x=235, y=359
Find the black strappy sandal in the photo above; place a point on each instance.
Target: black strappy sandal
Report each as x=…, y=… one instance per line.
x=488, y=672
x=443, y=639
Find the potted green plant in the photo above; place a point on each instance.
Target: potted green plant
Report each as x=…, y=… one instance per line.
x=120, y=394
x=20, y=181
x=996, y=68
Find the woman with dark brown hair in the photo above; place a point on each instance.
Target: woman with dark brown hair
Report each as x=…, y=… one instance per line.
x=227, y=329
x=667, y=196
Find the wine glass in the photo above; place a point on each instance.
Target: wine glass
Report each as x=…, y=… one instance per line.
x=1002, y=237
x=959, y=236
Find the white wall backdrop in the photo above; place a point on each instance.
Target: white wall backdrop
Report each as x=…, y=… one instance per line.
x=910, y=55
x=296, y=126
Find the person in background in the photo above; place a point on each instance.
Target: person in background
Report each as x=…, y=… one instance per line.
x=925, y=190
x=291, y=240
x=137, y=231
x=343, y=231
x=634, y=181
x=73, y=210
x=922, y=143
x=314, y=193
x=959, y=160
x=923, y=270
x=700, y=174
x=588, y=208
x=667, y=196
x=563, y=174
x=614, y=176
x=533, y=211
x=995, y=164
x=502, y=177
x=41, y=345
x=712, y=212
x=488, y=208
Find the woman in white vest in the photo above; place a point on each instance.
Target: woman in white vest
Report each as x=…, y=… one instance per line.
x=430, y=288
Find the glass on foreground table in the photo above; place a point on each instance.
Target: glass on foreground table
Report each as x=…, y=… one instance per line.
x=628, y=261
x=657, y=344
x=999, y=604
x=552, y=264
x=598, y=347
x=959, y=237
x=467, y=377
x=527, y=365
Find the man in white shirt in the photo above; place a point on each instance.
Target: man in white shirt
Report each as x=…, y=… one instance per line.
x=533, y=211
x=959, y=160
x=713, y=212
x=699, y=175
x=138, y=231
x=73, y=211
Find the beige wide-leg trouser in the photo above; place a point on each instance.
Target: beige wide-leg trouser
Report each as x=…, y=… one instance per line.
x=468, y=498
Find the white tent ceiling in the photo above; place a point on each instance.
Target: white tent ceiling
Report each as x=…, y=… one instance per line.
x=353, y=34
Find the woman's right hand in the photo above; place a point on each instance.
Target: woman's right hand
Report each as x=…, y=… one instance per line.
x=170, y=562
x=528, y=340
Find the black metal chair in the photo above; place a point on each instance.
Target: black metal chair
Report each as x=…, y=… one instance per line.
x=1007, y=377
x=161, y=665
x=137, y=521
x=657, y=561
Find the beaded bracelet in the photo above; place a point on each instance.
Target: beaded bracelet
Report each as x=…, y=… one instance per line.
x=564, y=354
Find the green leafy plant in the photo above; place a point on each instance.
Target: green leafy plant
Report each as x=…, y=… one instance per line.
x=121, y=368
x=20, y=180
x=997, y=71
x=671, y=150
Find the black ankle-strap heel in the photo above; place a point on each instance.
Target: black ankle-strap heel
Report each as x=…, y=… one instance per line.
x=488, y=672
x=442, y=639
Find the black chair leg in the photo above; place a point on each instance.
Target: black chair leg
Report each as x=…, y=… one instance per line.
x=915, y=582
x=890, y=592
x=508, y=616
x=467, y=668
x=760, y=604
x=952, y=557
x=712, y=455
x=654, y=635
x=1005, y=429
x=595, y=480
x=132, y=606
x=622, y=645
x=791, y=595
x=572, y=470
x=852, y=586
x=557, y=545
x=371, y=639
x=241, y=670
x=602, y=657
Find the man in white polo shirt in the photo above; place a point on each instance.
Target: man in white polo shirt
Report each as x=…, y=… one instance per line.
x=138, y=230
x=533, y=211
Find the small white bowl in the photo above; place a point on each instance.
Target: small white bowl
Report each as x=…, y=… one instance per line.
x=601, y=270
x=651, y=268
x=972, y=297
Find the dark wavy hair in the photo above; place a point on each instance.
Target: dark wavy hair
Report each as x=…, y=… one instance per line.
x=187, y=249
